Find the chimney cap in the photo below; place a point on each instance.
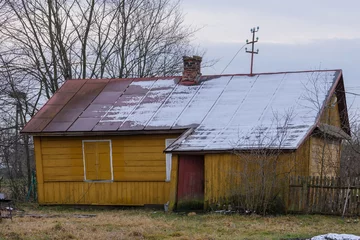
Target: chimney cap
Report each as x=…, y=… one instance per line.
x=194, y=57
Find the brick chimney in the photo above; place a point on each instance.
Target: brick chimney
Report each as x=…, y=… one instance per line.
x=191, y=74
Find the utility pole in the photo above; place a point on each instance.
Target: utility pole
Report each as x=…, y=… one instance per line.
x=253, y=31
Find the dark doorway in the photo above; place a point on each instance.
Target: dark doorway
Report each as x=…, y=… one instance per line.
x=190, y=193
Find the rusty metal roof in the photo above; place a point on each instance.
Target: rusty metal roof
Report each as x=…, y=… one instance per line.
x=224, y=112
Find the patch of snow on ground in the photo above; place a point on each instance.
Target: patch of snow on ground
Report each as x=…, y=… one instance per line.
x=334, y=236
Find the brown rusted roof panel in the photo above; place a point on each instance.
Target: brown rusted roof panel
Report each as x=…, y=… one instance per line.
x=49, y=111
x=130, y=125
x=107, y=97
x=72, y=85
x=107, y=126
x=57, y=126
x=36, y=125
x=61, y=98
x=96, y=110
x=117, y=85
x=75, y=107
x=84, y=124
x=68, y=115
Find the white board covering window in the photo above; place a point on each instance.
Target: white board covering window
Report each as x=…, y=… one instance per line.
x=168, y=160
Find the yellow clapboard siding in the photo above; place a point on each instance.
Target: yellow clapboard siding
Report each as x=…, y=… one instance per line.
x=144, y=156
x=63, y=178
x=62, y=144
x=63, y=170
x=63, y=162
x=140, y=169
x=116, y=193
x=139, y=159
x=139, y=176
x=47, y=157
x=139, y=163
x=59, y=150
x=141, y=149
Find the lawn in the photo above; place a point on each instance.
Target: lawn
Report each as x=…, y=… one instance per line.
x=69, y=223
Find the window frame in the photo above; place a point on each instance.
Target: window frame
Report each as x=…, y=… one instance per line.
x=111, y=160
x=168, y=156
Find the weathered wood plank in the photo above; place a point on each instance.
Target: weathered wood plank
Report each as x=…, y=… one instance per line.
x=324, y=195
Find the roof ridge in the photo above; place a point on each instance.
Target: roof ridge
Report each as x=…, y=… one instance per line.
x=207, y=76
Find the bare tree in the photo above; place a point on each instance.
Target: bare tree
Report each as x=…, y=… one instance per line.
x=51, y=41
x=45, y=42
x=350, y=153
x=262, y=166
x=328, y=136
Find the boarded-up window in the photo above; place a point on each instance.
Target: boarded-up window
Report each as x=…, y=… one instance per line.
x=168, y=160
x=97, y=160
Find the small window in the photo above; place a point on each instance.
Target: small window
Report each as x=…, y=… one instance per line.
x=97, y=157
x=168, y=160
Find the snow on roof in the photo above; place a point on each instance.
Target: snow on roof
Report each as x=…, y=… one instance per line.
x=225, y=112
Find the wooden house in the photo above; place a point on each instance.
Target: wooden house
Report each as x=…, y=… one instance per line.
x=179, y=139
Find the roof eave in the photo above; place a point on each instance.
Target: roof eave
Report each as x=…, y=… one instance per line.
x=105, y=133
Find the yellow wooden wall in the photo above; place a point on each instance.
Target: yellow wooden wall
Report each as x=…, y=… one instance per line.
x=138, y=165
x=223, y=172
x=325, y=152
x=324, y=156
x=331, y=114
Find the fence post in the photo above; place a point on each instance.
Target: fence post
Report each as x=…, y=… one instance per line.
x=305, y=194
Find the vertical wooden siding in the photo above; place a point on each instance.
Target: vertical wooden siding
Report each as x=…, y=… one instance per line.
x=223, y=173
x=138, y=167
x=324, y=156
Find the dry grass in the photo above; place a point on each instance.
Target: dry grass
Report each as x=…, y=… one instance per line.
x=145, y=224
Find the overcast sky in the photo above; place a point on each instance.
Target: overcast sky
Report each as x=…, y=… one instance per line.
x=293, y=35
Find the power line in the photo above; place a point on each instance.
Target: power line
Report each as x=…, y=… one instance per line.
x=351, y=93
x=233, y=58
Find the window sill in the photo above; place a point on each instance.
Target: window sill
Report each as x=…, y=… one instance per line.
x=99, y=181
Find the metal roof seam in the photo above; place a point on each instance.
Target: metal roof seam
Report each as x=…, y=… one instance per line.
x=233, y=116
x=162, y=104
x=216, y=101
x=137, y=105
x=106, y=113
x=38, y=112
x=187, y=105
x=271, y=98
x=84, y=108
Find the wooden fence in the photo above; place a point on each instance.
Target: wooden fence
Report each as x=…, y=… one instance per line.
x=324, y=195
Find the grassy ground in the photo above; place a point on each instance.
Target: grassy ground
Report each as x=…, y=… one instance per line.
x=63, y=223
